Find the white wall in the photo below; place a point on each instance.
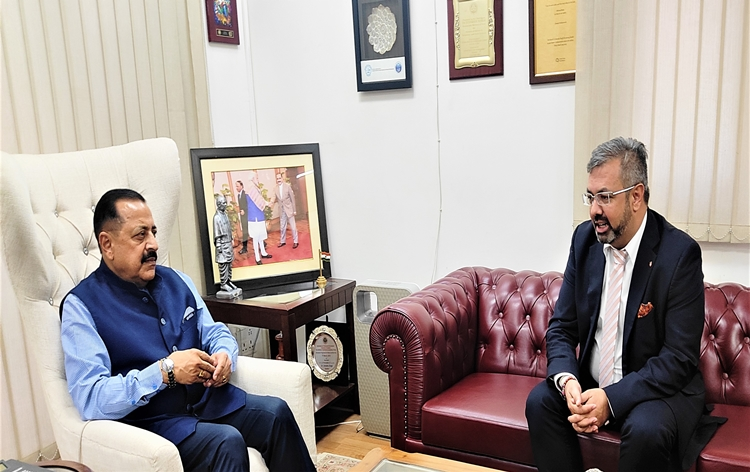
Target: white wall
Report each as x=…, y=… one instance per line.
x=422, y=181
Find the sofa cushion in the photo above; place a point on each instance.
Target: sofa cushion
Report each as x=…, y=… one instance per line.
x=484, y=413
x=728, y=449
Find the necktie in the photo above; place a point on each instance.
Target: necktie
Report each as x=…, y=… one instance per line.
x=611, y=317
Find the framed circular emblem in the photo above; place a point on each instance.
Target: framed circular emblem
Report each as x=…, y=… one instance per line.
x=325, y=353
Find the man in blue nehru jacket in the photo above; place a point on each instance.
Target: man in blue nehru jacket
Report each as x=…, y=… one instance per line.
x=141, y=347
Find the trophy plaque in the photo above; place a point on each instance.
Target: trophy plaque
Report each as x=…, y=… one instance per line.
x=325, y=353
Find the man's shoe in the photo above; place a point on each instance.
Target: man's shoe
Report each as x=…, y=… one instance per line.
x=259, y=262
x=295, y=246
x=266, y=256
x=243, y=250
x=281, y=245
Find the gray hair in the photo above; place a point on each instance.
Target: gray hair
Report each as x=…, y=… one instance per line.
x=633, y=164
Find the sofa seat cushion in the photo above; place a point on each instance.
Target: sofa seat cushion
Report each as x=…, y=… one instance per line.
x=484, y=413
x=728, y=449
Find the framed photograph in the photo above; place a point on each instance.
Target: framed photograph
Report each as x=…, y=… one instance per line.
x=475, y=38
x=382, y=44
x=552, y=41
x=274, y=203
x=221, y=16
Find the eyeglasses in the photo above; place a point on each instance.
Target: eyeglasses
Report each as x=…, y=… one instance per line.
x=603, y=198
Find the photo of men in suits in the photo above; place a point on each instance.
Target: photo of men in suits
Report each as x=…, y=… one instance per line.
x=632, y=303
x=242, y=202
x=284, y=195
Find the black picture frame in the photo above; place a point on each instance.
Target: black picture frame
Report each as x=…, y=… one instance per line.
x=217, y=170
x=387, y=67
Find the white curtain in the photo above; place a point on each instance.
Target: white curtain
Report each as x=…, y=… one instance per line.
x=674, y=75
x=83, y=74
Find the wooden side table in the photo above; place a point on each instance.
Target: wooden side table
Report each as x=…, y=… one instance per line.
x=287, y=317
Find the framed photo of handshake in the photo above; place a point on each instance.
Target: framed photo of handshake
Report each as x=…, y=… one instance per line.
x=261, y=216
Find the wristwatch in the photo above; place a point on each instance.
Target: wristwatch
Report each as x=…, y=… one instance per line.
x=167, y=365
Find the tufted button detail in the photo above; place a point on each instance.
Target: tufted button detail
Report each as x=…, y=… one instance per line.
x=145, y=300
x=86, y=251
x=711, y=337
x=538, y=352
x=174, y=348
x=511, y=347
x=500, y=315
x=93, y=208
x=163, y=321
x=57, y=214
x=51, y=302
x=528, y=317
x=747, y=340
x=724, y=376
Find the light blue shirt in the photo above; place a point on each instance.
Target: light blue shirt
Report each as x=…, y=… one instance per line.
x=96, y=393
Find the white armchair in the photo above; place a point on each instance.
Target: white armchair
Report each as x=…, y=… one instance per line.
x=49, y=246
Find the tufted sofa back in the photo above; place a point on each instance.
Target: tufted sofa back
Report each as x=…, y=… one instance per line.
x=725, y=345
x=514, y=309
x=46, y=233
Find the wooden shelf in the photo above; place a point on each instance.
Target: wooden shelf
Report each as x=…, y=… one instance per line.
x=287, y=316
x=324, y=394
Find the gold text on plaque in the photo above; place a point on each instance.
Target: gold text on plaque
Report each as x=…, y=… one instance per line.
x=474, y=33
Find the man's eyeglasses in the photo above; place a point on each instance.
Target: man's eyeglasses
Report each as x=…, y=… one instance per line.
x=603, y=198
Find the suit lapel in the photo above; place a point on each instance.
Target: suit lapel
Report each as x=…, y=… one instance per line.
x=641, y=275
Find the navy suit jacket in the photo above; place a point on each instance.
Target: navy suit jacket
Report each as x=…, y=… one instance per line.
x=661, y=350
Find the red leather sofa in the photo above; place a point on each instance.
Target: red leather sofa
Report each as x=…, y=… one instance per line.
x=463, y=353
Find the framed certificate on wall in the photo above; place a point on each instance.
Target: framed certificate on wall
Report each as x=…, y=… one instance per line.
x=475, y=38
x=382, y=44
x=552, y=41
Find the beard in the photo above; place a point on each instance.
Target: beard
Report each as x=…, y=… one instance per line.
x=613, y=232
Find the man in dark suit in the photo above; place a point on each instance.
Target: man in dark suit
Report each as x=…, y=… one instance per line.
x=242, y=201
x=637, y=373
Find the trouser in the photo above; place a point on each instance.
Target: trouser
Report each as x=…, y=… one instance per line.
x=648, y=434
x=292, y=223
x=265, y=424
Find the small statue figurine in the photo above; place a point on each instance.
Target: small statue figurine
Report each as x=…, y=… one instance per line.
x=224, y=251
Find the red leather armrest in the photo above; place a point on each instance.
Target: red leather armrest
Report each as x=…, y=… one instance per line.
x=425, y=342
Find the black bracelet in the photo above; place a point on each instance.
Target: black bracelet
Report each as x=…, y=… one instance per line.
x=172, y=382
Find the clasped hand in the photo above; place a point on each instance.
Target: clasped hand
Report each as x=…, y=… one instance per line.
x=590, y=409
x=194, y=366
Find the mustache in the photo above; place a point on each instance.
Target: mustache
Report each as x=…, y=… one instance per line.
x=601, y=219
x=150, y=254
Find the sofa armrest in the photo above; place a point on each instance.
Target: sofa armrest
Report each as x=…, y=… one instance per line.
x=425, y=342
x=289, y=381
x=134, y=449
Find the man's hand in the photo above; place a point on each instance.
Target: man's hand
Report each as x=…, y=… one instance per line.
x=593, y=412
x=192, y=366
x=223, y=370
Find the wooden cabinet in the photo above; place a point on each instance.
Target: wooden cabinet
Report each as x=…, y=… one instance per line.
x=287, y=316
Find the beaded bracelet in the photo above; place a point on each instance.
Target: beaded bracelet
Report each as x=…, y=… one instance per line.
x=565, y=382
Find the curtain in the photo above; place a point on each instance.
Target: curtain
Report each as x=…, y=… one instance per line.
x=674, y=75
x=83, y=74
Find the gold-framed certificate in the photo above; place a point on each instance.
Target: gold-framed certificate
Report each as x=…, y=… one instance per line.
x=475, y=35
x=325, y=353
x=552, y=41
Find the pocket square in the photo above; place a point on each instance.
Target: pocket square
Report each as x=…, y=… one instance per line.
x=644, y=310
x=189, y=312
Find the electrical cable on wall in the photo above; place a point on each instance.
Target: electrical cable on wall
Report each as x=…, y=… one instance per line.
x=437, y=124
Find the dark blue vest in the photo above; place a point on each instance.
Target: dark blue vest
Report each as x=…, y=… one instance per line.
x=141, y=326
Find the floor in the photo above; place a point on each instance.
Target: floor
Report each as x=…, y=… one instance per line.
x=341, y=433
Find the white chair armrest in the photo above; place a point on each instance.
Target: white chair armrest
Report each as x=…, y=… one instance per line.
x=134, y=448
x=289, y=381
